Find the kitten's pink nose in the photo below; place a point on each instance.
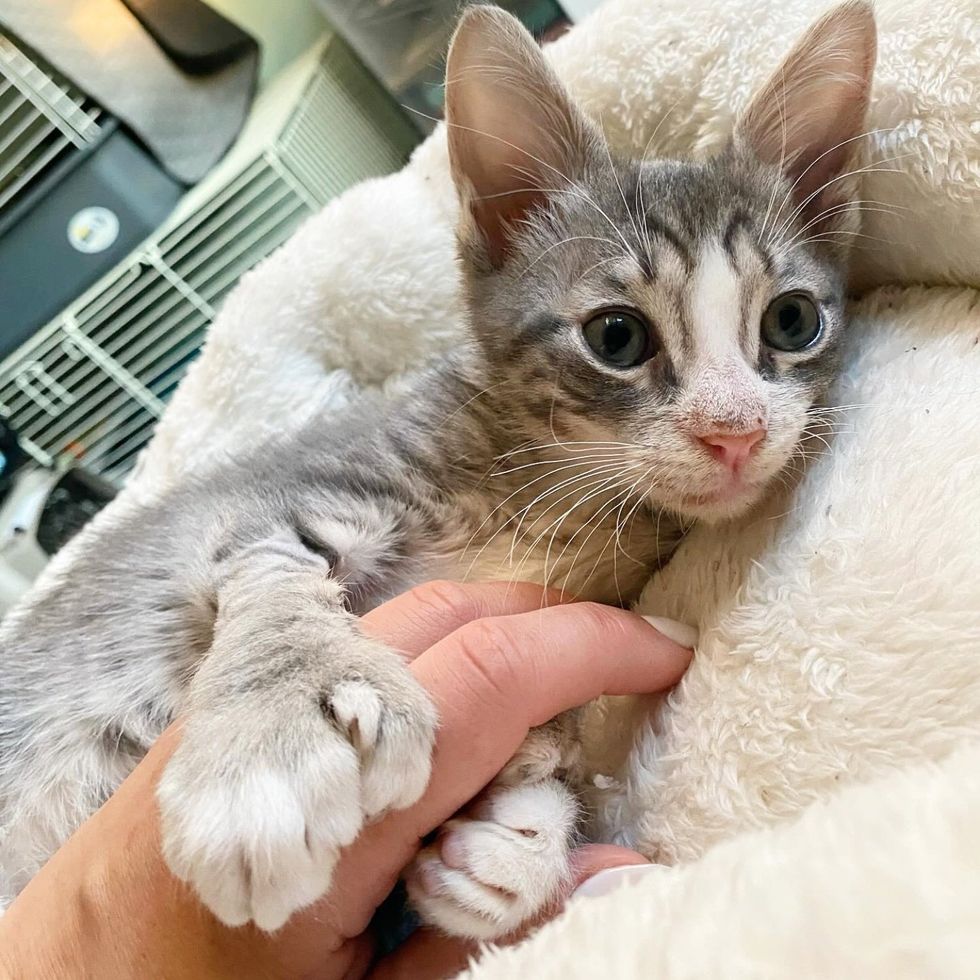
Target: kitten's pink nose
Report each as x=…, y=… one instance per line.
x=732, y=449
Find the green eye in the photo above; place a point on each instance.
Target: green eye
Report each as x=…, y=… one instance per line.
x=620, y=339
x=791, y=323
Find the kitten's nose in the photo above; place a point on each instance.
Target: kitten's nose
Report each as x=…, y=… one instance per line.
x=732, y=449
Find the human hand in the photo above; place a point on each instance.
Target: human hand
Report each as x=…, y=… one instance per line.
x=496, y=664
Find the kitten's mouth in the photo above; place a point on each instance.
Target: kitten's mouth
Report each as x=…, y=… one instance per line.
x=704, y=499
x=729, y=499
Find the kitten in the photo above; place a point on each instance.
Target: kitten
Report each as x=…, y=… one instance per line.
x=648, y=340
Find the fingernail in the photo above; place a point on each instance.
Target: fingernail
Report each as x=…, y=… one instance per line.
x=612, y=878
x=686, y=636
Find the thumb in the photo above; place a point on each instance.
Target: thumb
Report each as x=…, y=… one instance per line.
x=592, y=859
x=589, y=864
x=598, y=869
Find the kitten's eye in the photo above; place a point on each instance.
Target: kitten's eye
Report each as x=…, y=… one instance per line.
x=622, y=339
x=791, y=323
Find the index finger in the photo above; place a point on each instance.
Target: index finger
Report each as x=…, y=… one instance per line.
x=417, y=619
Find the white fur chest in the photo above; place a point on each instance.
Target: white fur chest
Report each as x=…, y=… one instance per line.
x=599, y=561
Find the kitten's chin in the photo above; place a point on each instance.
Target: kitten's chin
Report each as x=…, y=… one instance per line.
x=720, y=505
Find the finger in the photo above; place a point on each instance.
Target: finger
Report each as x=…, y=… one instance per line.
x=608, y=880
x=525, y=669
x=586, y=862
x=421, y=617
x=427, y=955
x=592, y=858
x=492, y=680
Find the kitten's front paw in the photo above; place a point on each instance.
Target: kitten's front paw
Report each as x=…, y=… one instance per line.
x=490, y=872
x=260, y=797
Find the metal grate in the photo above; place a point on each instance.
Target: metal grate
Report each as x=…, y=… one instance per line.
x=244, y=222
x=343, y=129
x=43, y=120
x=93, y=383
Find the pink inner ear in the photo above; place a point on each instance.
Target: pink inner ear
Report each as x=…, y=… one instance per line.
x=819, y=169
x=503, y=162
x=510, y=158
x=513, y=133
x=497, y=219
x=808, y=117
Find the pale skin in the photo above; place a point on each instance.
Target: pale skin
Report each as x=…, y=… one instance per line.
x=495, y=663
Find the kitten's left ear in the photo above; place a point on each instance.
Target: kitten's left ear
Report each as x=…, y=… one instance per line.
x=514, y=134
x=808, y=117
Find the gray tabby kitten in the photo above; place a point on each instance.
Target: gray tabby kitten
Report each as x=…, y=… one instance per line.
x=648, y=341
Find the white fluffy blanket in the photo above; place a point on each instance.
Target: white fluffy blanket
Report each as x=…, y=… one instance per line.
x=827, y=738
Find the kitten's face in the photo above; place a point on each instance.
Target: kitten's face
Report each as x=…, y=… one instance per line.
x=679, y=324
x=674, y=321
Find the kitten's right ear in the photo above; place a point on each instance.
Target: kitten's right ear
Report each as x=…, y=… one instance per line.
x=514, y=134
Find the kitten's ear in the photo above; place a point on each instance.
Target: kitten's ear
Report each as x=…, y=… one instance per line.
x=513, y=132
x=808, y=117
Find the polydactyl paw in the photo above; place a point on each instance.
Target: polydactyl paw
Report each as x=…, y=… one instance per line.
x=259, y=798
